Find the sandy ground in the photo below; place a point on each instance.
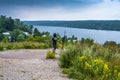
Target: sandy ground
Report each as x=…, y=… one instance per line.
x=29, y=65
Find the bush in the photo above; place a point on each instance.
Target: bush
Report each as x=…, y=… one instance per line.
x=90, y=63
x=5, y=40
x=50, y=55
x=21, y=37
x=1, y=48
x=67, y=57
x=23, y=45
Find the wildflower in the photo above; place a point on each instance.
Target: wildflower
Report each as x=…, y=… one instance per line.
x=115, y=71
x=97, y=61
x=82, y=58
x=106, y=69
x=119, y=75
x=87, y=65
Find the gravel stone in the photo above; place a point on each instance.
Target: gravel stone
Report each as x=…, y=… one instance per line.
x=26, y=64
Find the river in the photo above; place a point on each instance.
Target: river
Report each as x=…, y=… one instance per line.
x=99, y=36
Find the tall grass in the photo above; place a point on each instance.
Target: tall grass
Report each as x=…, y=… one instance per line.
x=23, y=45
x=90, y=62
x=50, y=55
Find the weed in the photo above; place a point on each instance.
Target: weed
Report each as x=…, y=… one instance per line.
x=50, y=55
x=1, y=75
x=95, y=62
x=23, y=71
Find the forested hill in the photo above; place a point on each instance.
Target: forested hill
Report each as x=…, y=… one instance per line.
x=13, y=29
x=90, y=24
x=9, y=24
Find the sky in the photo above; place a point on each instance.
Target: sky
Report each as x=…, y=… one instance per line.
x=61, y=9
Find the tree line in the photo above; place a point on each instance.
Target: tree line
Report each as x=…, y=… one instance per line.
x=90, y=24
x=16, y=30
x=20, y=31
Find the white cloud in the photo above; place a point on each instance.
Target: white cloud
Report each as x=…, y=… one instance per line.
x=108, y=10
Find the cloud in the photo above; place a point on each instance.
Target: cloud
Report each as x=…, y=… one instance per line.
x=9, y=6
x=107, y=10
x=96, y=10
x=46, y=3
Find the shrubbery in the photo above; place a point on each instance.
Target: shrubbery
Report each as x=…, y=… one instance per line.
x=23, y=45
x=85, y=62
x=50, y=55
x=1, y=48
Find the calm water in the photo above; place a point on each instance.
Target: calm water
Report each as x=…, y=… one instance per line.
x=99, y=36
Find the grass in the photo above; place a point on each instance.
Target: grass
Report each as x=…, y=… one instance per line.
x=23, y=45
x=23, y=71
x=1, y=75
x=34, y=79
x=90, y=62
x=50, y=55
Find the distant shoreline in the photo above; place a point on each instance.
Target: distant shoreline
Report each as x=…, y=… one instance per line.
x=109, y=25
x=78, y=28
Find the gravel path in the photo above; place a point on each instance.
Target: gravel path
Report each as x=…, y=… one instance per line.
x=29, y=65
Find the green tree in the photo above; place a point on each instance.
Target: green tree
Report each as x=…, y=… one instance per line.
x=2, y=23
x=9, y=24
x=14, y=35
x=46, y=33
x=87, y=41
x=110, y=43
x=5, y=39
x=30, y=30
x=21, y=37
x=30, y=38
x=36, y=32
x=1, y=37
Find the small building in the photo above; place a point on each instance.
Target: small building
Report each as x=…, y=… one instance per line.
x=6, y=33
x=26, y=33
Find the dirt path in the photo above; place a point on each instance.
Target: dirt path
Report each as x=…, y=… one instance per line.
x=29, y=65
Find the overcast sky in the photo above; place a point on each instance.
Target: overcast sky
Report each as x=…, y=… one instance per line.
x=61, y=9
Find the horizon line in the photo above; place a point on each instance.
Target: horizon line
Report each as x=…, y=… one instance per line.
x=72, y=20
